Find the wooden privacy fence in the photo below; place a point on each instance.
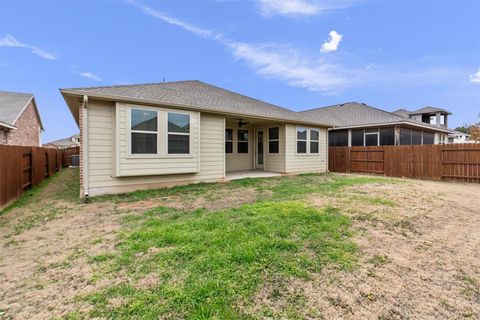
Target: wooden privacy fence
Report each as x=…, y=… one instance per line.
x=455, y=162
x=22, y=168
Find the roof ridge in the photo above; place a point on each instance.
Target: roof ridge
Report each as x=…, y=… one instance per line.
x=130, y=85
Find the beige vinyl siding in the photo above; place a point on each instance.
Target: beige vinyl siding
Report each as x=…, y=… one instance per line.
x=297, y=163
x=275, y=162
x=102, y=156
x=240, y=161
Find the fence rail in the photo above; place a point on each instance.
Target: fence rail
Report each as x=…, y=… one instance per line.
x=22, y=168
x=456, y=162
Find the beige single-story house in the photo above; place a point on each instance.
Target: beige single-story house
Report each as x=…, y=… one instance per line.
x=165, y=134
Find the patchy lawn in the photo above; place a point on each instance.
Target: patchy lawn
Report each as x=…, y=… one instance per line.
x=304, y=247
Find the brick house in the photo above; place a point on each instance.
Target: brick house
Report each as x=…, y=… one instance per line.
x=20, y=122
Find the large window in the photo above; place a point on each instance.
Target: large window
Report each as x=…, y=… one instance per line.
x=387, y=136
x=228, y=140
x=416, y=137
x=273, y=140
x=314, y=137
x=371, y=137
x=338, y=138
x=357, y=138
x=405, y=136
x=178, y=133
x=301, y=140
x=242, y=143
x=143, y=129
x=428, y=137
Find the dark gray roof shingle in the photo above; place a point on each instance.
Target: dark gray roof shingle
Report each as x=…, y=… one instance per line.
x=12, y=105
x=354, y=114
x=199, y=95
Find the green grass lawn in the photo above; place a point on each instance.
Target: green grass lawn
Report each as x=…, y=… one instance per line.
x=210, y=264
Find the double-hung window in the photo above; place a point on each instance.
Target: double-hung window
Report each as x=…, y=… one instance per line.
x=273, y=140
x=228, y=140
x=178, y=133
x=242, y=143
x=314, y=138
x=144, y=131
x=301, y=140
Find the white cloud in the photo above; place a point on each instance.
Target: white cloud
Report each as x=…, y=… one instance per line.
x=10, y=41
x=332, y=43
x=174, y=21
x=475, y=78
x=314, y=71
x=287, y=7
x=90, y=75
x=300, y=7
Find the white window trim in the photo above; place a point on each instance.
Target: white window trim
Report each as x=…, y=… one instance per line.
x=162, y=151
x=179, y=134
x=244, y=141
x=308, y=153
x=314, y=140
x=232, y=141
x=365, y=133
x=130, y=131
x=268, y=147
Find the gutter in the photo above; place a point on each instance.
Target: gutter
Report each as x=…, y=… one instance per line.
x=84, y=110
x=3, y=124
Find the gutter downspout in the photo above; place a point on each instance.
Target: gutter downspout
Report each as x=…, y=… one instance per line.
x=84, y=110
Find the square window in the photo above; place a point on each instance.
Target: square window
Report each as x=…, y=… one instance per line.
x=273, y=146
x=314, y=135
x=144, y=120
x=301, y=146
x=301, y=134
x=313, y=147
x=144, y=143
x=178, y=144
x=178, y=122
x=273, y=133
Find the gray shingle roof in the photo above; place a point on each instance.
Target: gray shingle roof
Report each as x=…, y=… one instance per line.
x=354, y=114
x=429, y=110
x=197, y=95
x=11, y=106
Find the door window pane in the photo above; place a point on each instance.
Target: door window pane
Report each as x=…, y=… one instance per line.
x=228, y=140
x=371, y=140
x=260, y=147
x=144, y=143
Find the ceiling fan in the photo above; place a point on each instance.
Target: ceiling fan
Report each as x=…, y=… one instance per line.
x=242, y=123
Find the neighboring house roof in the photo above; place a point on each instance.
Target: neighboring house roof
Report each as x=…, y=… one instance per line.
x=196, y=95
x=12, y=105
x=354, y=114
x=64, y=142
x=455, y=132
x=405, y=113
x=430, y=110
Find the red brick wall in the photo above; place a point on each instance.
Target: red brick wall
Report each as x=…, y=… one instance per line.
x=3, y=136
x=28, y=129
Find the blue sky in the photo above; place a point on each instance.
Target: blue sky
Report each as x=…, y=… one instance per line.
x=298, y=54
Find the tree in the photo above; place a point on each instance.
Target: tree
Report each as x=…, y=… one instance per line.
x=475, y=132
x=463, y=128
